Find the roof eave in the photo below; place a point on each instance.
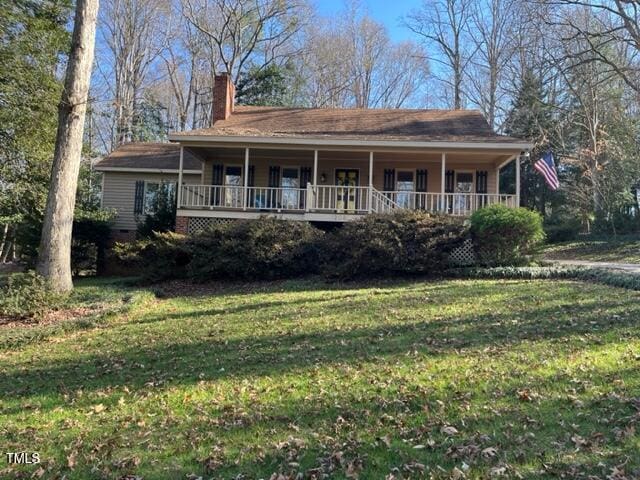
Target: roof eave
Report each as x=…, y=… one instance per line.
x=334, y=142
x=99, y=168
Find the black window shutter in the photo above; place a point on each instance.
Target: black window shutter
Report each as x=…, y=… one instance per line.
x=138, y=199
x=389, y=179
x=216, y=179
x=252, y=176
x=421, y=180
x=305, y=176
x=481, y=181
x=274, y=177
x=449, y=181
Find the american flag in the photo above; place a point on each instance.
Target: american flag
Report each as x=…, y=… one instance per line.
x=547, y=167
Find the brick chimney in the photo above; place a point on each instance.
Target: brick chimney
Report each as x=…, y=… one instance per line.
x=224, y=93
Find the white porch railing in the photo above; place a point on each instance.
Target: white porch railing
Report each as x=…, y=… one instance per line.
x=237, y=197
x=451, y=203
x=334, y=199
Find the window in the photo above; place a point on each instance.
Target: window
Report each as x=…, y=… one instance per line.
x=405, y=188
x=158, y=195
x=290, y=185
x=233, y=186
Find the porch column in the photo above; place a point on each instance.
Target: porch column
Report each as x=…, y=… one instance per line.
x=245, y=178
x=497, y=180
x=315, y=167
x=443, y=164
x=179, y=194
x=518, y=181
x=370, y=193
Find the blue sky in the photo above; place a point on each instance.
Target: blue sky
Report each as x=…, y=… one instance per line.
x=385, y=11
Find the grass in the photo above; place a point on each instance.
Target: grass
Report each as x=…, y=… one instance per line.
x=624, y=250
x=402, y=379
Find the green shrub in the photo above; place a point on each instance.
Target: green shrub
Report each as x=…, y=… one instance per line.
x=265, y=248
x=404, y=242
x=91, y=232
x=27, y=295
x=164, y=256
x=562, y=228
x=506, y=236
x=163, y=216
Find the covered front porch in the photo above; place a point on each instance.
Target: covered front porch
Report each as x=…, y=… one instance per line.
x=340, y=184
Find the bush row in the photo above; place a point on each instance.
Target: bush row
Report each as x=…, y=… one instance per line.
x=595, y=275
x=405, y=242
x=402, y=243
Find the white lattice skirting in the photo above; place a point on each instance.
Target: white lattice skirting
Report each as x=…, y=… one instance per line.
x=464, y=255
x=200, y=224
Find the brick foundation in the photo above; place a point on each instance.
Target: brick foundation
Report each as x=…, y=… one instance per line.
x=121, y=237
x=182, y=225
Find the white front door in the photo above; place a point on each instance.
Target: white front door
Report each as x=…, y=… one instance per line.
x=233, y=186
x=463, y=190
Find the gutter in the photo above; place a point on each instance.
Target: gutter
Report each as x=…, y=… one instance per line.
x=144, y=170
x=312, y=143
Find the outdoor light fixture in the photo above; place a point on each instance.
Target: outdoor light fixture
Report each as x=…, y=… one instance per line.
x=323, y=177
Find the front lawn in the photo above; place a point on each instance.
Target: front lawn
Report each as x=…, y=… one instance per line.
x=623, y=250
x=405, y=379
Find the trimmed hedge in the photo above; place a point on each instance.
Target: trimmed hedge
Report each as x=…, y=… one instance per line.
x=392, y=244
x=404, y=242
x=506, y=236
x=164, y=256
x=596, y=275
x=260, y=249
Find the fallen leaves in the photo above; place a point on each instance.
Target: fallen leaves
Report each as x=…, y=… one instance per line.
x=449, y=430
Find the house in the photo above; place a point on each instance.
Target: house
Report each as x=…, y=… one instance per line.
x=321, y=165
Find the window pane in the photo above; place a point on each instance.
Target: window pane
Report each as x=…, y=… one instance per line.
x=289, y=173
x=150, y=195
x=405, y=176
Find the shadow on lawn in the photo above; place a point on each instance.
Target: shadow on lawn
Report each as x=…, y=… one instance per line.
x=552, y=436
x=210, y=358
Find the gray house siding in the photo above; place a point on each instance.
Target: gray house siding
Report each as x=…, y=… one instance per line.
x=118, y=192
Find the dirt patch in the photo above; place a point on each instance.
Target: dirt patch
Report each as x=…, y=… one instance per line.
x=51, y=317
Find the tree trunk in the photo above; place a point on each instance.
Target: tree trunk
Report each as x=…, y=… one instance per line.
x=8, y=245
x=5, y=233
x=54, y=261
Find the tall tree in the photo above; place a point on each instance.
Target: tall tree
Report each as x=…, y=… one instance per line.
x=33, y=40
x=247, y=33
x=491, y=32
x=54, y=261
x=616, y=24
x=444, y=24
x=134, y=35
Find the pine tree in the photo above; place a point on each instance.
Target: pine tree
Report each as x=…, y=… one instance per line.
x=531, y=118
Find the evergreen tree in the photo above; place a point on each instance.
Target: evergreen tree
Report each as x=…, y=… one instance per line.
x=265, y=87
x=531, y=118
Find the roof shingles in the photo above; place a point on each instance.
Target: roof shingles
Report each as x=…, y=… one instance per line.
x=357, y=124
x=162, y=156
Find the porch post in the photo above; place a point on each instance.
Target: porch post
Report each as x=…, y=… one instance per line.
x=315, y=167
x=518, y=181
x=497, y=180
x=179, y=194
x=245, y=178
x=443, y=163
x=370, y=193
